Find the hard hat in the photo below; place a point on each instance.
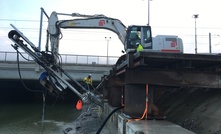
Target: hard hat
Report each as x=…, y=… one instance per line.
x=137, y=43
x=89, y=75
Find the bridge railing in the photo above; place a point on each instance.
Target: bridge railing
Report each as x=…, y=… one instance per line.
x=65, y=58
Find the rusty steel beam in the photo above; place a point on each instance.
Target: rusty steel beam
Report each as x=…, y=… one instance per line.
x=179, y=56
x=181, y=78
x=112, y=90
x=134, y=100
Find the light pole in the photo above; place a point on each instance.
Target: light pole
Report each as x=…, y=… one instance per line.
x=195, y=16
x=107, y=39
x=148, y=12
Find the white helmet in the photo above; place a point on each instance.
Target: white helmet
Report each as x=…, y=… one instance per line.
x=89, y=75
x=137, y=43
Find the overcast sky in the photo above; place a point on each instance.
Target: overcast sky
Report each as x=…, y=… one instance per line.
x=169, y=17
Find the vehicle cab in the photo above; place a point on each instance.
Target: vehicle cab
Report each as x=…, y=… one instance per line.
x=138, y=34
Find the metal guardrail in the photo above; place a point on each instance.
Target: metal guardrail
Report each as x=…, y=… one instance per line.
x=65, y=58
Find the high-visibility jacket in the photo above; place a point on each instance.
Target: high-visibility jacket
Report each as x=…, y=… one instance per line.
x=87, y=80
x=139, y=48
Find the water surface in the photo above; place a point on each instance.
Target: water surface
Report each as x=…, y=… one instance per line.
x=26, y=118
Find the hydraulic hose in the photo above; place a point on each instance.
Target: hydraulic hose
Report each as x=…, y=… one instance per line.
x=108, y=117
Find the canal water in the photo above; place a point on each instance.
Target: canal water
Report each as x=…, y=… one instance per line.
x=29, y=118
x=23, y=112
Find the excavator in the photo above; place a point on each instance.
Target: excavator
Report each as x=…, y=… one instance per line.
x=129, y=36
x=53, y=78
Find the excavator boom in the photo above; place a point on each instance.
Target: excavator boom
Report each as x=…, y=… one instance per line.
x=127, y=35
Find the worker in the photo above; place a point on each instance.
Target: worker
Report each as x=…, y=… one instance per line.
x=138, y=34
x=139, y=47
x=88, y=82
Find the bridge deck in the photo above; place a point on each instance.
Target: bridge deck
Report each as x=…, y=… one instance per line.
x=172, y=69
x=32, y=71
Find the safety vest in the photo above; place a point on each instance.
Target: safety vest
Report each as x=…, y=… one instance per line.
x=87, y=80
x=139, y=48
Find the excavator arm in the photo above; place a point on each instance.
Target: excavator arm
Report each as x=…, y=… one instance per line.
x=83, y=22
x=126, y=34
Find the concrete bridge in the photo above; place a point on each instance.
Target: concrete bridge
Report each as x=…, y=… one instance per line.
x=13, y=90
x=78, y=66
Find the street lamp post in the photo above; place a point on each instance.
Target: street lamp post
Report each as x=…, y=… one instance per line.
x=148, y=12
x=107, y=39
x=195, y=16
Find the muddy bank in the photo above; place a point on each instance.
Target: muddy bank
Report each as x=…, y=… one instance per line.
x=195, y=109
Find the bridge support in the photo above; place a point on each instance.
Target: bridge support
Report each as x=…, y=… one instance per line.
x=160, y=69
x=134, y=100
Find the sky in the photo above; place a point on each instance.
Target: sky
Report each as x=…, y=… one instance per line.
x=167, y=17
